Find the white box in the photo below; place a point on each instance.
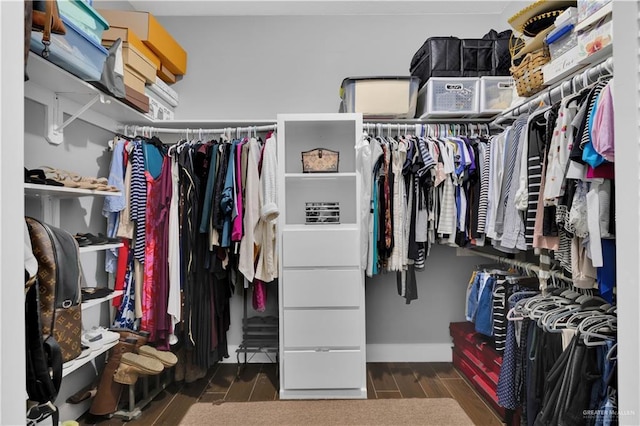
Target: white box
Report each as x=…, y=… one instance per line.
x=380, y=97
x=595, y=35
x=449, y=97
x=496, y=94
x=158, y=110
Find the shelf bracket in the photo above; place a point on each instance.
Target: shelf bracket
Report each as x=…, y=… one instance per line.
x=55, y=126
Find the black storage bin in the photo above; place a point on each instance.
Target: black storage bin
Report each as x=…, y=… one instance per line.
x=438, y=57
x=477, y=57
x=455, y=57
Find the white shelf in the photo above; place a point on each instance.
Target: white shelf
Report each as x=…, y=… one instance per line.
x=319, y=175
x=36, y=190
x=94, y=302
x=45, y=74
x=77, y=363
x=99, y=247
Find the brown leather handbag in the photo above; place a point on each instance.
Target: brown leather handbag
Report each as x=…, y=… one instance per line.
x=45, y=18
x=60, y=281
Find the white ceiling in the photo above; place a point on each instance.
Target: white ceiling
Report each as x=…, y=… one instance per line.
x=317, y=7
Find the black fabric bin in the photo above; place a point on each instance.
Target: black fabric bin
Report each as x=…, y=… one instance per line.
x=455, y=57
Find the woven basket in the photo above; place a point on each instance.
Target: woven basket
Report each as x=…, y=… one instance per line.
x=528, y=75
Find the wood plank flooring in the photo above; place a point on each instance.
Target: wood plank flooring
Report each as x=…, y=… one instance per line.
x=259, y=382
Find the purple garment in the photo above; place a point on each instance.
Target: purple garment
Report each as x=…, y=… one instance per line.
x=161, y=266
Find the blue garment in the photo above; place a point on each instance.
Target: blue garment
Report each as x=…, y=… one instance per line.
x=484, y=313
x=208, y=195
x=506, y=390
x=607, y=273
x=474, y=293
x=589, y=153
x=114, y=204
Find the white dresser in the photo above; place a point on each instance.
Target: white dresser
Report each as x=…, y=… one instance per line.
x=321, y=286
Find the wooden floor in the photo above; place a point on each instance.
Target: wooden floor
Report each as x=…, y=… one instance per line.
x=259, y=382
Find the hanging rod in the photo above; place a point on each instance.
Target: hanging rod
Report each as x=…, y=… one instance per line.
x=555, y=93
x=526, y=265
x=132, y=130
x=423, y=128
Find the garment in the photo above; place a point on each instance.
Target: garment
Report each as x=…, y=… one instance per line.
x=496, y=172
x=126, y=226
x=484, y=312
x=602, y=132
x=174, y=300
x=252, y=212
x=397, y=257
x=364, y=167
x=114, y=204
x=483, y=203
x=236, y=226
x=267, y=266
x=138, y=200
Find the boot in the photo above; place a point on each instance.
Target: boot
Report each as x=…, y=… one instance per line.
x=108, y=395
x=141, y=336
x=180, y=365
x=133, y=365
x=168, y=359
x=193, y=371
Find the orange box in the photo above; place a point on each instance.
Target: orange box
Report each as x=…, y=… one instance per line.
x=147, y=27
x=129, y=37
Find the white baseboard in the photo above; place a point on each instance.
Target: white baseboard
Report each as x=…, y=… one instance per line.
x=419, y=352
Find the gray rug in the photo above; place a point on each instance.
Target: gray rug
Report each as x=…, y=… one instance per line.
x=414, y=411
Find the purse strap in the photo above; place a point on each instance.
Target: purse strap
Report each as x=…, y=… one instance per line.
x=48, y=23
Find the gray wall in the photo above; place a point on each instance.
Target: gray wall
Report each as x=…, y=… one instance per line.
x=256, y=67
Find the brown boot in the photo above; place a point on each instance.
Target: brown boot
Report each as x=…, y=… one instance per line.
x=141, y=336
x=167, y=358
x=133, y=365
x=108, y=395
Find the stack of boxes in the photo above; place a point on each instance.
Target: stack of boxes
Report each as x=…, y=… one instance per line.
x=152, y=60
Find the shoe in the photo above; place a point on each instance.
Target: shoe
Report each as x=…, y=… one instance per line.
x=168, y=359
x=140, y=337
x=108, y=395
x=133, y=365
x=193, y=371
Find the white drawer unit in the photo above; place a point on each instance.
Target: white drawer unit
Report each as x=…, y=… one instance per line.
x=318, y=288
x=320, y=369
x=321, y=281
x=317, y=247
x=322, y=328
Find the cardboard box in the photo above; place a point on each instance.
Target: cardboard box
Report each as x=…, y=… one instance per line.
x=133, y=79
x=136, y=100
x=134, y=59
x=129, y=38
x=166, y=75
x=147, y=27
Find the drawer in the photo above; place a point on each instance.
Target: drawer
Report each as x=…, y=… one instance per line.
x=323, y=328
x=324, y=370
x=322, y=288
x=315, y=247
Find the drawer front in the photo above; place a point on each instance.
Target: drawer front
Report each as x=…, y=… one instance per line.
x=326, y=328
x=323, y=370
x=326, y=248
x=322, y=288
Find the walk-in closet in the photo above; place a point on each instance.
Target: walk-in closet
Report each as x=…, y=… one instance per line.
x=312, y=212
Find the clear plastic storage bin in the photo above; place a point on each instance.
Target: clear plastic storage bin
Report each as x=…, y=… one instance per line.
x=449, y=97
x=496, y=94
x=84, y=17
x=380, y=97
x=563, y=44
x=74, y=52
